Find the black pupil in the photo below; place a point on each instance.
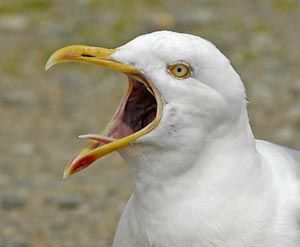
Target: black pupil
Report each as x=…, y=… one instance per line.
x=179, y=69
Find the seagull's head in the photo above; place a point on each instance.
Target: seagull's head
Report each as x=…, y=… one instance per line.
x=181, y=91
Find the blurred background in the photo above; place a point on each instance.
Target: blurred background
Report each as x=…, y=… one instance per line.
x=42, y=113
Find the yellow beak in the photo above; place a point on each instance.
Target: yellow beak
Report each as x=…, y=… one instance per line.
x=89, y=54
x=102, y=57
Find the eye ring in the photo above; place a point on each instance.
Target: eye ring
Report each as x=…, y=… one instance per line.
x=180, y=70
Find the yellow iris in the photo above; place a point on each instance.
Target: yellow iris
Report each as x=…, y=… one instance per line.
x=180, y=70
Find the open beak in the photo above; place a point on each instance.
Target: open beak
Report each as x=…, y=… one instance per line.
x=139, y=111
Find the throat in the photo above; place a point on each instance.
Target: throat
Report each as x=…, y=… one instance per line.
x=140, y=109
x=217, y=161
x=137, y=110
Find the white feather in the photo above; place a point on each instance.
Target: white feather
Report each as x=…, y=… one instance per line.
x=201, y=178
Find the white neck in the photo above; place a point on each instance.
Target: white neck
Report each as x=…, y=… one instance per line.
x=204, y=189
x=226, y=154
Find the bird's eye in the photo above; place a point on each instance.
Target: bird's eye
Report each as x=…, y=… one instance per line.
x=180, y=70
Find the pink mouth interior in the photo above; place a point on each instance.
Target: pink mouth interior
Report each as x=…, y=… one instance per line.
x=137, y=109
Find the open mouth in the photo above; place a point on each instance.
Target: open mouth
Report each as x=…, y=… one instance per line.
x=136, y=111
x=139, y=111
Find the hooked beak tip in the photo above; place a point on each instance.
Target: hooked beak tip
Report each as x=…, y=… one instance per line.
x=53, y=59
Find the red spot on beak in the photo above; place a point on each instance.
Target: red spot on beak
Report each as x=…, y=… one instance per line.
x=82, y=163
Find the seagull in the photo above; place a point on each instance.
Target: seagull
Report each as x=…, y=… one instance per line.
x=201, y=179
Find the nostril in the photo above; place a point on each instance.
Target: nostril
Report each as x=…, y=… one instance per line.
x=87, y=55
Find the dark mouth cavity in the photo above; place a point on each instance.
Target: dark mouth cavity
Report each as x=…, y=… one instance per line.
x=137, y=109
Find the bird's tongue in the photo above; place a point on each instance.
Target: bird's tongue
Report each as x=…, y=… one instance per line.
x=98, y=138
x=87, y=156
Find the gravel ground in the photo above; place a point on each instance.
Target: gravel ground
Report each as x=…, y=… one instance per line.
x=42, y=113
